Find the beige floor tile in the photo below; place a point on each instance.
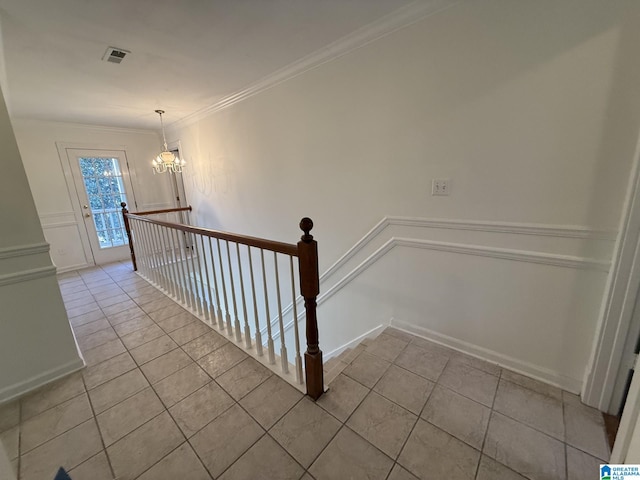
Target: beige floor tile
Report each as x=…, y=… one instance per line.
x=82, y=309
x=432, y=346
x=222, y=359
x=200, y=408
x=91, y=327
x=571, y=399
x=539, y=411
x=114, y=297
x=181, y=384
x=104, y=352
x=153, y=301
x=304, y=431
x=383, y=423
x=126, y=315
x=270, y=401
x=110, y=292
x=133, y=325
x=189, y=332
x=523, y=449
x=128, y=415
x=116, y=308
x=470, y=382
x=10, y=440
x=407, y=389
x=343, y=397
x=96, y=468
x=457, y=415
x=96, y=339
x=144, y=447
x=387, y=347
x=203, y=345
x=175, y=322
x=489, y=469
x=474, y=362
x=78, y=302
x=244, y=377
x=426, y=363
x=367, y=369
x=580, y=465
x=166, y=312
x=394, y=332
x=86, y=318
x=265, y=460
x=585, y=430
x=350, y=456
x=399, y=473
x=142, y=336
x=433, y=453
x=532, y=384
x=182, y=463
x=9, y=415
x=51, y=395
x=115, y=391
x=153, y=349
x=67, y=450
x=51, y=423
x=108, y=370
x=225, y=439
x=163, y=366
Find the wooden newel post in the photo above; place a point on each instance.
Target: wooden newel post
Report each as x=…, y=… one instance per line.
x=310, y=287
x=128, y=229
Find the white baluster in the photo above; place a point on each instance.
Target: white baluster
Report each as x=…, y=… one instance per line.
x=212, y=314
x=284, y=360
x=183, y=271
x=188, y=263
x=216, y=288
x=174, y=266
x=168, y=265
x=270, y=349
x=203, y=298
x=233, y=295
x=299, y=376
x=224, y=292
x=193, y=280
x=255, y=308
x=162, y=259
x=247, y=330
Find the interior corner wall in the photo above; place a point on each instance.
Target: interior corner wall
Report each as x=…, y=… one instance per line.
x=531, y=109
x=36, y=342
x=37, y=142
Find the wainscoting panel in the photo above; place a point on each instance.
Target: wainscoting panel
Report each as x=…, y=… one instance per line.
x=63, y=233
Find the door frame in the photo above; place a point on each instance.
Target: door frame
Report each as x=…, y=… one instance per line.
x=72, y=191
x=619, y=299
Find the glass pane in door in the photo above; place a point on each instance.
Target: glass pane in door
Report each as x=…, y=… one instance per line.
x=102, y=179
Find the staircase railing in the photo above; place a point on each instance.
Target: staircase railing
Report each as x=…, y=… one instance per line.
x=212, y=273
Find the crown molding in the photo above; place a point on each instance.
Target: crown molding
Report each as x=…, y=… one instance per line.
x=396, y=20
x=84, y=126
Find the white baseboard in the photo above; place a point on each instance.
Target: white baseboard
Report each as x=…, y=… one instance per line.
x=374, y=332
x=71, y=268
x=544, y=375
x=16, y=390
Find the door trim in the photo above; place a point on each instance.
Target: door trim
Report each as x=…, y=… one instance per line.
x=72, y=192
x=618, y=301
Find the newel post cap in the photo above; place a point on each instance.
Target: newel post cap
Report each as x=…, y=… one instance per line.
x=306, y=224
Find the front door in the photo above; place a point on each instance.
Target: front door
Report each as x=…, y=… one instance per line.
x=102, y=182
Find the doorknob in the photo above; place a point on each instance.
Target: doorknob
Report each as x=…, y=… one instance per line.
x=85, y=207
x=87, y=215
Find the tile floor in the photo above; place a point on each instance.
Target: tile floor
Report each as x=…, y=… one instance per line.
x=165, y=397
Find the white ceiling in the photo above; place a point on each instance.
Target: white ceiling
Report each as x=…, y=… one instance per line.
x=186, y=55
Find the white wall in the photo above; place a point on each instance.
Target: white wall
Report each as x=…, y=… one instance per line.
x=530, y=108
x=37, y=142
x=36, y=342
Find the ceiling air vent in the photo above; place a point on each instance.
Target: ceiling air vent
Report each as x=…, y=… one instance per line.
x=114, y=55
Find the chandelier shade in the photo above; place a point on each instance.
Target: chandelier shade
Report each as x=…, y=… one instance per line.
x=166, y=161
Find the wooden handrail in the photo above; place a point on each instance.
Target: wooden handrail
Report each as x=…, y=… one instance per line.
x=154, y=212
x=307, y=252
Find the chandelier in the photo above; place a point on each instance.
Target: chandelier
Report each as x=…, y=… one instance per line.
x=166, y=161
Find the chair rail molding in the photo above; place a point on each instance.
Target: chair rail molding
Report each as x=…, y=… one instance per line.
x=532, y=229
x=22, y=250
